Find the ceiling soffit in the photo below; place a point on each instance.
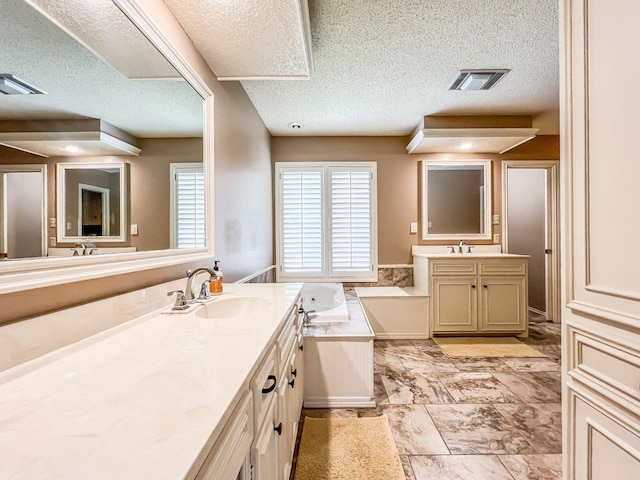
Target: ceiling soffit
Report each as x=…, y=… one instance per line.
x=252, y=39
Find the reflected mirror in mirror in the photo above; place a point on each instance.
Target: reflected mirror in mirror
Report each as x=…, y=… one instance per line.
x=92, y=202
x=456, y=200
x=120, y=81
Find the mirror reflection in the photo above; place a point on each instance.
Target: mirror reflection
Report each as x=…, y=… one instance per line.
x=456, y=200
x=100, y=108
x=92, y=200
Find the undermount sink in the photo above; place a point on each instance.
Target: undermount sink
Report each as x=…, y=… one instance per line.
x=233, y=307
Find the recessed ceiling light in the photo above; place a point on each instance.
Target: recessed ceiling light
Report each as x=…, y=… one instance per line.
x=466, y=146
x=72, y=149
x=477, y=79
x=12, y=85
x=295, y=125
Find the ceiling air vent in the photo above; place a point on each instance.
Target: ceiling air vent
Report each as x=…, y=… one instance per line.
x=11, y=85
x=477, y=79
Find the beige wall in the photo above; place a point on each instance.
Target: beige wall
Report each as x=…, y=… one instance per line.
x=398, y=174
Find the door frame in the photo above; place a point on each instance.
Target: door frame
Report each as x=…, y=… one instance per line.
x=17, y=168
x=552, y=243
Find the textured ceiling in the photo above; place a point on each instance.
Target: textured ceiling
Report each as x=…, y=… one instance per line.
x=380, y=66
x=81, y=85
x=249, y=38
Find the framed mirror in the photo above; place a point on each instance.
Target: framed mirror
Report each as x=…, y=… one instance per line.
x=91, y=201
x=169, y=115
x=456, y=200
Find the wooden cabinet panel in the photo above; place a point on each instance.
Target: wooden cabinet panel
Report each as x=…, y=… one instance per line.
x=502, y=304
x=264, y=451
x=455, y=304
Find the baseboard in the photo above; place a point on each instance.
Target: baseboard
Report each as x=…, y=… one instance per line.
x=339, y=402
x=402, y=336
x=536, y=311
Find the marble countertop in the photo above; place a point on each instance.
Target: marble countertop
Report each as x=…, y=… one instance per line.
x=356, y=327
x=468, y=256
x=143, y=400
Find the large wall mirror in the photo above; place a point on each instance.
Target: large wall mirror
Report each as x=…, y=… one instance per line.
x=456, y=200
x=119, y=71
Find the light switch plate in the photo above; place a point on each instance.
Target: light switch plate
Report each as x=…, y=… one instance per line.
x=134, y=229
x=413, y=228
x=495, y=219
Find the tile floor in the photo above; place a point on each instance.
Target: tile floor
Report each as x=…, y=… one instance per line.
x=463, y=418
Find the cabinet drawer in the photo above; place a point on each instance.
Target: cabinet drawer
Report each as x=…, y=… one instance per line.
x=263, y=385
x=617, y=369
x=458, y=267
x=503, y=267
x=228, y=454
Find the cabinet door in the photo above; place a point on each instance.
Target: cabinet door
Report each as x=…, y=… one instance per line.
x=264, y=451
x=503, y=304
x=454, y=304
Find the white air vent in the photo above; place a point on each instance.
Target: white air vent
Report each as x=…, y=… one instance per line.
x=11, y=85
x=477, y=79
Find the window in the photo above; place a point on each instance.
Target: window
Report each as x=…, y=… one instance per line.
x=326, y=221
x=187, y=206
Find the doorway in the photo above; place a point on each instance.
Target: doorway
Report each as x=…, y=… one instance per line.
x=23, y=217
x=531, y=226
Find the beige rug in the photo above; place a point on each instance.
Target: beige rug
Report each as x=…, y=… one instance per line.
x=486, y=347
x=348, y=449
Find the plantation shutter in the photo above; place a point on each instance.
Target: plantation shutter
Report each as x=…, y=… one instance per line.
x=190, y=209
x=350, y=219
x=302, y=232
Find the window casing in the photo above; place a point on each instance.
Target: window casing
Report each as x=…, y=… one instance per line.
x=326, y=221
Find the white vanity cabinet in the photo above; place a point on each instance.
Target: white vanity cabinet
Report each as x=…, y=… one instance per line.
x=475, y=294
x=278, y=384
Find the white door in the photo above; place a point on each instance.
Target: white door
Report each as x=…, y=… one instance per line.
x=601, y=280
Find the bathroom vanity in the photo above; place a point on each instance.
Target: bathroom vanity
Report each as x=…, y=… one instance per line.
x=474, y=294
x=215, y=393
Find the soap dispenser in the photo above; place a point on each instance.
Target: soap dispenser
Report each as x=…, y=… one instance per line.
x=216, y=282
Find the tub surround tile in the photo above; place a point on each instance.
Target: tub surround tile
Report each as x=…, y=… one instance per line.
x=414, y=431
x=477, y=387
x=459, y=467
x=538, y=467
x=538, y=423
x=402, y=277
x=477, y=429
x=406, y=388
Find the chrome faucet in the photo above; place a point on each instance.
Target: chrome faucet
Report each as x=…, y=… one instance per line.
x=461, y=244
x=191, y=274
x=305, y=316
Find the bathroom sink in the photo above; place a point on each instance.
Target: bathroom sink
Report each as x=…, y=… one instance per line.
x=233, y=307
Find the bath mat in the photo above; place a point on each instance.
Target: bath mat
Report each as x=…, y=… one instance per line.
x=348, y=449
x=485, y=347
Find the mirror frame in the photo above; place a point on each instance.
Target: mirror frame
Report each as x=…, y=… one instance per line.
x=61, y=200
x=153, y=21
x=488, y=200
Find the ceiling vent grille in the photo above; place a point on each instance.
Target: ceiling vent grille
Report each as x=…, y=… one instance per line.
x=477, y=79
x=11, y=85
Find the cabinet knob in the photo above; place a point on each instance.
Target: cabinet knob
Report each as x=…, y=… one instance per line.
x=292, y=383
x=301, y=347
x=272, y=387
x=485, y=286
x=294, y=372
x=473, y=286
x=278, y=428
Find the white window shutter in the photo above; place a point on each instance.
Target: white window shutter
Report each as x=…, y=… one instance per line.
x=351, y=222
x=190, y=208
x=302, y=221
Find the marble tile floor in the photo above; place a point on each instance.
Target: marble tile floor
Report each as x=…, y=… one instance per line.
x=463, y=418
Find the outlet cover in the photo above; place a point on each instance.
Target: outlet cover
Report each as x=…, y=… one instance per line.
x=52, y=241
x=413, y=227
x=496, y=238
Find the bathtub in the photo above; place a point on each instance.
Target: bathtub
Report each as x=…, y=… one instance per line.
x=326, y=300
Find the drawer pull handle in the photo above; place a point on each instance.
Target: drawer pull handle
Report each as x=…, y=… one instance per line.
x=301, y=347
x=272, y=387
x=294, y=372
x=278, y=428
x=292, y=383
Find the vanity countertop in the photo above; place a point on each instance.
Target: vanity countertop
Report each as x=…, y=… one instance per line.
x=143, y=400
x=468, y=256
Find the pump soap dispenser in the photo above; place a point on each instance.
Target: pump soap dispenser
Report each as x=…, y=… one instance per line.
x=216, y=284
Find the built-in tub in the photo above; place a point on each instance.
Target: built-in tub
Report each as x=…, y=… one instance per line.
x=326, y=301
